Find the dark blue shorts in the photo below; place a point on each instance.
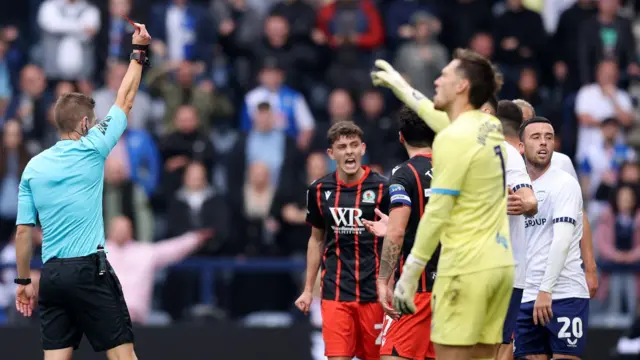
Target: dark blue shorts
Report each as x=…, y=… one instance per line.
x=509, y=328
x=565, y=335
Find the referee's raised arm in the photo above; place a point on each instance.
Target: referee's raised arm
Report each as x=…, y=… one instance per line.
x=131, y=82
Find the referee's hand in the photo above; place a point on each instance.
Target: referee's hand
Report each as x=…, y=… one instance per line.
x=25, y=299
x=141, y=35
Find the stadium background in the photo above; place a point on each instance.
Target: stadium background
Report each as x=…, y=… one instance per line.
x=204, y=150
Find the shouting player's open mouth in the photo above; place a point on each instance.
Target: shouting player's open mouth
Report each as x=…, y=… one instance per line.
x=350, y=164
x=543, y=153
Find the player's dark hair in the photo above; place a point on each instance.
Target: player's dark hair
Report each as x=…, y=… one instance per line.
x=533, y=120
x=511, y=117
x=484, y=80
x=70, y=109
x=414, y=130
x=346, y=129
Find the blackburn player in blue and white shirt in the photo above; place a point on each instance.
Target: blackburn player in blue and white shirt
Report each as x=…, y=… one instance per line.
x=555, y=305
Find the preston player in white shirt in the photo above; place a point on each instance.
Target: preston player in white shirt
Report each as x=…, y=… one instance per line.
x=554, y=313
x=563, y=162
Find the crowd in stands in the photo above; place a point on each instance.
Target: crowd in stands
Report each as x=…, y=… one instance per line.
x=230, y=124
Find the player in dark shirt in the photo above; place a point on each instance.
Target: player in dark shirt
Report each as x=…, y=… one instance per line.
x=337, y=204
x=407, y=337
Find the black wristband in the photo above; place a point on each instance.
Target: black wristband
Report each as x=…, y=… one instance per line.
x=140, y=47
x=22, y=281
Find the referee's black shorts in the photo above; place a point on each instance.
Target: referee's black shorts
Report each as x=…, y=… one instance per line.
x=74, y=300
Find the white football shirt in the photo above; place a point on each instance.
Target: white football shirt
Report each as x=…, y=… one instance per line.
x=517, y=177
x=559, y=200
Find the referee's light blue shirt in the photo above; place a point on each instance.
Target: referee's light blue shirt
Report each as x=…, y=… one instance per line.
x=62, y=187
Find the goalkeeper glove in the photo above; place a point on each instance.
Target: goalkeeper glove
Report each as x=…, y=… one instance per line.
x=388, y=77
x=407, y=286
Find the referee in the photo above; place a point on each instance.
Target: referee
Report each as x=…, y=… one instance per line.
x=62, y=189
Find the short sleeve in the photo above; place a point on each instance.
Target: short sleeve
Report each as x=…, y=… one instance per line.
x=516, y=172
x=314, y=212
x=27, y=213
x=567, y=202
x=105, y=135
x=399, y=189
x=451, y=161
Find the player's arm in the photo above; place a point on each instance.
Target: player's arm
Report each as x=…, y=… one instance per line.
x=316, y=244
x=529, y=201
x=26, y=220
x=520, y=184
x=388, y=77
x=567, y=208
x=586, y=251
x=399, y=213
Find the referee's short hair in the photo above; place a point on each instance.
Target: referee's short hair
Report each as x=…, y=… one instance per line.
x=71, y=108
x=510, y=116
x=533, y=120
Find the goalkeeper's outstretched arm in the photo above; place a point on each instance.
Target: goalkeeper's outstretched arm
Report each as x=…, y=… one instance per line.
x=388, y=77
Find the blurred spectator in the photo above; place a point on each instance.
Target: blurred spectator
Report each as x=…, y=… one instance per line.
x=137, y=263
x=599, y=101
x=399, y=20
x=565, y=49
x=300, y=16
x=529, y=90
x=31, y=103
x=13, y=159
x=114, y=39
x=422, y=58
x=381, y=134
x=7, y=276
x=105, y=97
x=68, y=31
x=51, y=134
x=607, y=36
x=520, y=38
x=186, y=144
x=340, y=107
x=353, y=29
x=602, y=163
x=196, y=205
x=209, y=103
x=137, y=151
x=5, y=81
x=258, y=194
x=288, y=211
x=482, y=43
x=552, y=11
x=464, y=18
x=122, y=197
x=292, y=114
x=181, y=31
x=265, y=144
x=618, y=235
x=236, y=19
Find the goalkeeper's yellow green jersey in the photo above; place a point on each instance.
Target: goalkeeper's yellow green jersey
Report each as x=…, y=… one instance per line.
x=467, y=210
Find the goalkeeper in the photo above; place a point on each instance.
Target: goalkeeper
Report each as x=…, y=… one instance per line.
x=467, y=211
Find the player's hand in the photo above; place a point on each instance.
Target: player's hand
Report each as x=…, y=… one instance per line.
x=592, y=282
x=385, y=297
x=515, y=205
x=388, y=77
x=141, y=35
x=25, y=299
x=304, y=302
x=542, y=313
x=377, y=228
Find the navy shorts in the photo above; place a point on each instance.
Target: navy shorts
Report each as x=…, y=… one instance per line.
x=509, y=328
x=565, y=335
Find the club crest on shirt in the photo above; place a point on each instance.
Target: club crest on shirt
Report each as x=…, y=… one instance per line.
x=541, y=195
x=369, y=197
